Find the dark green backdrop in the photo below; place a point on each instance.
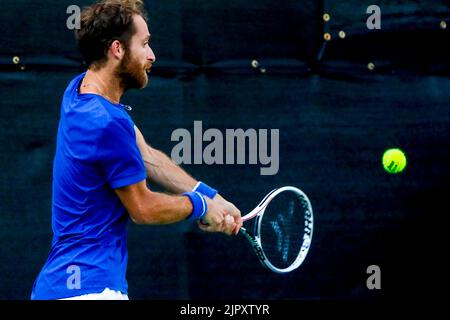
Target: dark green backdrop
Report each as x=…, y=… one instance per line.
x=335, y=119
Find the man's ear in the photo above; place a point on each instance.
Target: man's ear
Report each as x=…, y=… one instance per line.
x=117, y=49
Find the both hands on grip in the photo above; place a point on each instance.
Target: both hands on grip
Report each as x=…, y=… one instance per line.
x=221, y=216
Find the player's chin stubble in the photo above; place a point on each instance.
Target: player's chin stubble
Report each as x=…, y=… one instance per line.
x=132, y=74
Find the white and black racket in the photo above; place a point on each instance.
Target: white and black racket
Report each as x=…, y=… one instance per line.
x=283, y=229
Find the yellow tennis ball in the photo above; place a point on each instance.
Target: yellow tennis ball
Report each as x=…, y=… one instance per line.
x=394, y=160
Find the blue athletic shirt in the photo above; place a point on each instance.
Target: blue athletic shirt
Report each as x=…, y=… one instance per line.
x=96, y=152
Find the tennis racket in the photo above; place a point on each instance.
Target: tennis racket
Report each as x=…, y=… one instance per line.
x=283, y=228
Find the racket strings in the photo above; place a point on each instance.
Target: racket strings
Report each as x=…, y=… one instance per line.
x=282, y=229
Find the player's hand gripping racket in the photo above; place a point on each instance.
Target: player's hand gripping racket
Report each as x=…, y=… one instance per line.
x=283, y=229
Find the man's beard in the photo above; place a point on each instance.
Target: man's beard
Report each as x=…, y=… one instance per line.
x=131, y=73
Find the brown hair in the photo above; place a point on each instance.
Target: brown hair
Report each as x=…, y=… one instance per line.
x=104, y=22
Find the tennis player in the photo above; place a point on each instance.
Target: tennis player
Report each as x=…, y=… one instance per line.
x=102, y=163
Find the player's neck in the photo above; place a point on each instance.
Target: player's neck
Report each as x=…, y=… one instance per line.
x=102, y=82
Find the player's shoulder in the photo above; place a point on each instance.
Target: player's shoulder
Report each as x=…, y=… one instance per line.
x=111, y=118
x=94, y=111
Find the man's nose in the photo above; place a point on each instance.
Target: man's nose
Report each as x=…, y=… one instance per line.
x=151, y=56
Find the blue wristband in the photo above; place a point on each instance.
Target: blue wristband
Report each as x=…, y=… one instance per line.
x=199, y=205
x=206, y=190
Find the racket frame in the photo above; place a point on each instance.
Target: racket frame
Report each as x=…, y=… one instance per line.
x=255, y=239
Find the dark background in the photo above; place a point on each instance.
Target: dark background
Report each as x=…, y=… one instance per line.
x=336, y=117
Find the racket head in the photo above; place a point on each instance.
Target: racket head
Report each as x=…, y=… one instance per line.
x=283, y=229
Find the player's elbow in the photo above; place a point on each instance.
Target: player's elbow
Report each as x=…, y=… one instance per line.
x=143, y=219
x=136, y=215
x=137, y=218
x=140, y=203
x=146, y=212
x=142, y=216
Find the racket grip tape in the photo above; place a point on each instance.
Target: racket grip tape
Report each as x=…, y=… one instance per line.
x=199, y=205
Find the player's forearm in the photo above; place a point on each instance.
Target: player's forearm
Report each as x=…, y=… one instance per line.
x=159, y=208
x=162, y=170
x=166, y=173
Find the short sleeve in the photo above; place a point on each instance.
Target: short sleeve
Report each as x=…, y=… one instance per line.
x=118, y=154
